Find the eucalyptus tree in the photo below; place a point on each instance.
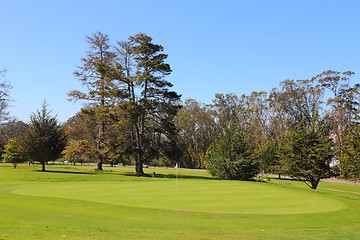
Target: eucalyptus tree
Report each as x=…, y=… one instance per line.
x=249, y=112
x=97, y=74
x=197, y=131
x=251, y=115
x=299, y=101
x=226, y=110
x=343, y=102
x=258, y=116
x=343, y=109
x=4, y=104
x=260, y=130
x=306, y=145
x=4, y=97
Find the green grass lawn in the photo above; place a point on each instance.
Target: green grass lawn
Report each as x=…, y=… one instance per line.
x=70, y=202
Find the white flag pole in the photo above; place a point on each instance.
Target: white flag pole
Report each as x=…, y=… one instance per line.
x=176, y=167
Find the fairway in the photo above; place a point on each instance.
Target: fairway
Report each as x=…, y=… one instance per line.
x=79, y=203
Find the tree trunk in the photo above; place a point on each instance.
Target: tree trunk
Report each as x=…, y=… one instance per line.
x=314, y=182
x=99, y=165
x=139, y=167
x=43, y=167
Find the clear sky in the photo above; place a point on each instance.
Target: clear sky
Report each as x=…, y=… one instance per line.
x=214, y=46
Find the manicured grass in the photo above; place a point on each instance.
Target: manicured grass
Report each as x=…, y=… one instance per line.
x=80, y=203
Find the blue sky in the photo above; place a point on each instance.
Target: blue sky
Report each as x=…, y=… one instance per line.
x=225, y=46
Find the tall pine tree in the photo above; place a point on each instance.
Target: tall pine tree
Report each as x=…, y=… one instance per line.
x=97, y=74
x=150, y=103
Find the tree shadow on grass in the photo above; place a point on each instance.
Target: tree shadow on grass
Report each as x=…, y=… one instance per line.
x=67, y=172
x=159, y=175
x=182, y=176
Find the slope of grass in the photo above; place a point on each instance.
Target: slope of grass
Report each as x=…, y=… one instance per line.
x=80, y=203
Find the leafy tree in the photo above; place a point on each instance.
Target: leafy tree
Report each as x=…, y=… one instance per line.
x=252, y=115
x=4, y=97
x=227, y=109
x=45, y=139
x=12, y=153
x=84, y=127
x=197, y=131
x=298, y=101
x=297, y=105
x=230, y=157
x=350, y=159
x=76, y=150
x=250, y=112
x=268, y=156
x=97, y=74
x=145, y=95
x=309, y=153
x=118, y=146
x=257, y=112
x=344, y=102
x=11, y=130
x=132, y=78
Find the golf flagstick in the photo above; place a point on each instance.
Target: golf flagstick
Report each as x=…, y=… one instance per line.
x=176, y=167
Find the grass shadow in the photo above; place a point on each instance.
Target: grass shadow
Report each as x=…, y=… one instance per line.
x=67, y=172
x=182, y=176
x=160, y=175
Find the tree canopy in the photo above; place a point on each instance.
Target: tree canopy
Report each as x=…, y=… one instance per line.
x=4, y=97
x=44, y=140
x=127, y=87
x=12, y=153
x=229, y=157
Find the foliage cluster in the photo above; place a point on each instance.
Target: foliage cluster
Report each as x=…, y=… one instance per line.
x=293, y=130
x=4, y=97
x=43, y=140
x=131, y=107
x=230, y=157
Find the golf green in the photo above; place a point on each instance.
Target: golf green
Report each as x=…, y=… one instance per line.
x=212, y=196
